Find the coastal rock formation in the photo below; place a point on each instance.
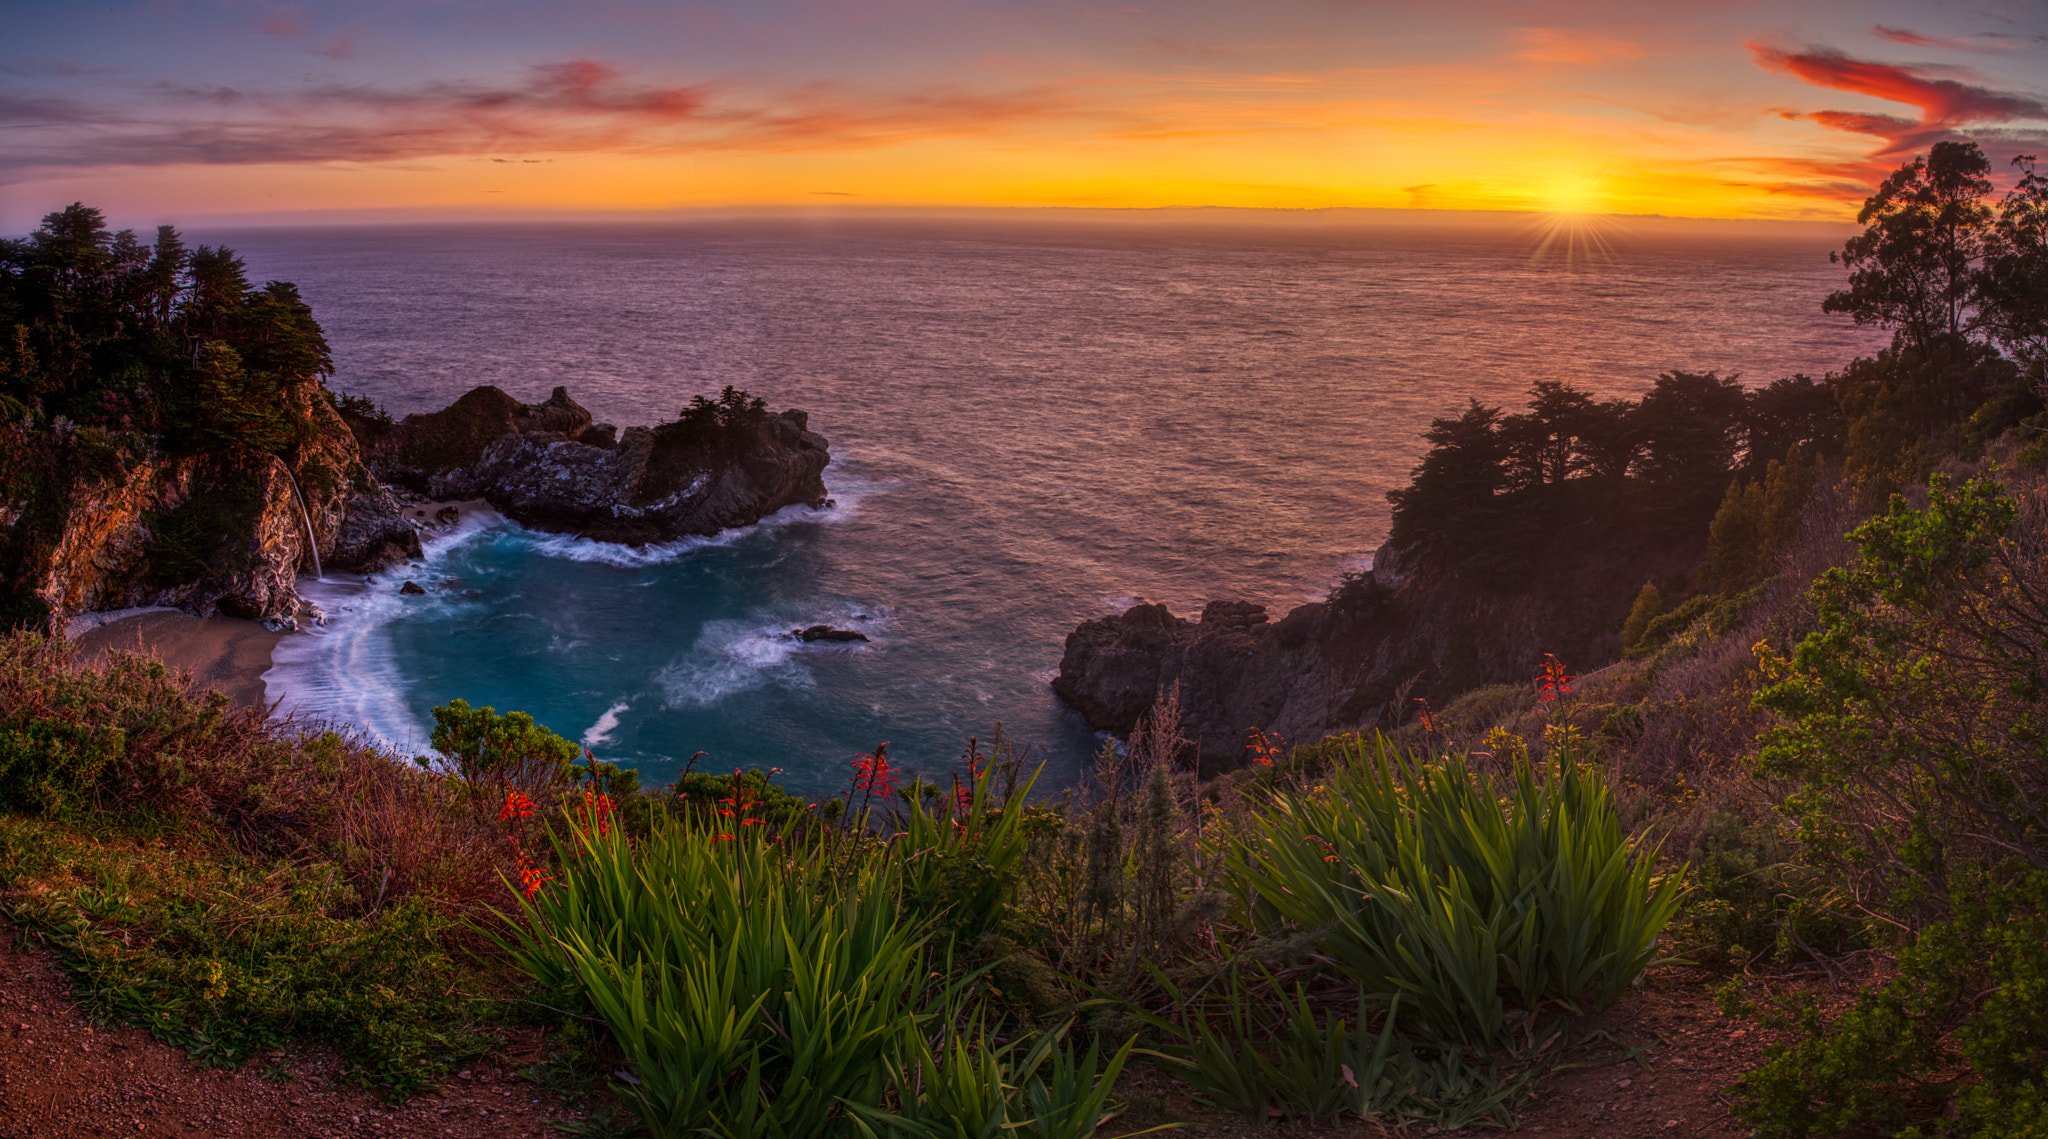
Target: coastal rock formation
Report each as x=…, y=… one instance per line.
x=1236, y=671
x=548, y=466
x=220, y=531
x=1405, y=630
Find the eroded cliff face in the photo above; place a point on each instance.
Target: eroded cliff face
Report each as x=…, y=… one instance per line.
x=219, y=532
x=1406, y=631
x=548, y=466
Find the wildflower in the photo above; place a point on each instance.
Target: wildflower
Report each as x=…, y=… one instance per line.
x=1427, y=717
x=531, y=877
x=595, y=815
x=1552, y=681
x=1329, y=850
x=517, y=806
x=872, y=773
x=1265, y=748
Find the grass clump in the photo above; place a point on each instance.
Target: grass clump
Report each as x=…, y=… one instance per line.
x=1433, y=883
x=763, y=983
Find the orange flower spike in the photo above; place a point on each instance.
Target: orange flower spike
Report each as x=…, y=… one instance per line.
x=1552, y=680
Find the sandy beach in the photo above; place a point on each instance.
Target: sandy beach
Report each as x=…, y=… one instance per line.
x=227, y=653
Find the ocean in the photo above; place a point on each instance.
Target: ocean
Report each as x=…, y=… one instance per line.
x=1032, y=424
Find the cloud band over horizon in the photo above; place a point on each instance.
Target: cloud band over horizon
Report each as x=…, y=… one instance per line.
x=1467, y=105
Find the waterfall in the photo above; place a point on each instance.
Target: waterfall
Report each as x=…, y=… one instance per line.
x=312, y=543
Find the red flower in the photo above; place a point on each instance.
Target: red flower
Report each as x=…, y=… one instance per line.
x=1265, y=748
x=873, y=773
x=595, y=815
x=1552, y=681
x=517, y=806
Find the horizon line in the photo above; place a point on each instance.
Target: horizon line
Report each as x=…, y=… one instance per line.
x=1358, y=216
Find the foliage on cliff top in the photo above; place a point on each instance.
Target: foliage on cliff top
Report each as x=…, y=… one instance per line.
x=112, y=352
x=106, y=331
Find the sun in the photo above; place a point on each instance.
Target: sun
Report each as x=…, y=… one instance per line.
x=1573, y=190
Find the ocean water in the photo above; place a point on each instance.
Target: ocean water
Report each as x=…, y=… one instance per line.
x=1032, y=424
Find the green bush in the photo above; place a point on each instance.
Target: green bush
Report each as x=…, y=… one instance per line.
x=1431, y=883
x=1959, y=1024
x=1309, y=1068
x=51, y=764
x=483, y=744
x=1752, y=898
x=229, y=959
x=195, y=538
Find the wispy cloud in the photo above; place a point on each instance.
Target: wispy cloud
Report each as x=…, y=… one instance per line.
x=1991, y=43
x=1948, y=109
x=1943, y=103
x=574, y=105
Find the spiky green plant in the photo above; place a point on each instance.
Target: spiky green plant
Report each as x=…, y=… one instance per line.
x=1460, y=895
x=764, y=987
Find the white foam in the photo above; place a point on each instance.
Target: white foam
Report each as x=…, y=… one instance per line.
x=730, y=657
x=600, y=733
x=574, y=549
x=344, y=672
x=727, y=658
x=848, y=490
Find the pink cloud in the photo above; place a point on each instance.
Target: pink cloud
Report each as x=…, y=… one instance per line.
x=1990, y=43
x=1946, y=106
x=1942, y=102
x=574, y=105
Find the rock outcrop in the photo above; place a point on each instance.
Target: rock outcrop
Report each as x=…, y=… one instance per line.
x=221, y=531
x=818, y=633
x=1403, y=631
x=1236, y=671
x=548, y=466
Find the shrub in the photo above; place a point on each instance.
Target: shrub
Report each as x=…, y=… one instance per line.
x=1956, y=1032
x=1430, y=882
x=1752, y=898
x=484, y=745
x=1911, y=729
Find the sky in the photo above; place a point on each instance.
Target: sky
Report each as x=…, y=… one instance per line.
x=199, y=110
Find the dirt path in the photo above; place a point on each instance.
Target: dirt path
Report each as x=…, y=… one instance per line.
x=62, y=1077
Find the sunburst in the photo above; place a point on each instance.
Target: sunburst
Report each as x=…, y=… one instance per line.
x=1574, y=237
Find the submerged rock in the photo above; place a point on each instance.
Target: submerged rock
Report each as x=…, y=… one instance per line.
x=826, y=633
x=412, y=588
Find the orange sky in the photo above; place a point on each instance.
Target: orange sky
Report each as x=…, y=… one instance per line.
x=179, y=110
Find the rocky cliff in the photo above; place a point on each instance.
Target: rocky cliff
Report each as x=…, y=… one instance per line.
x=548, y=466
x=1408, y=629
x=119, y=523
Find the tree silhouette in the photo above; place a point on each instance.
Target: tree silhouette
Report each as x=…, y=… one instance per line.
x=1914, y=268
